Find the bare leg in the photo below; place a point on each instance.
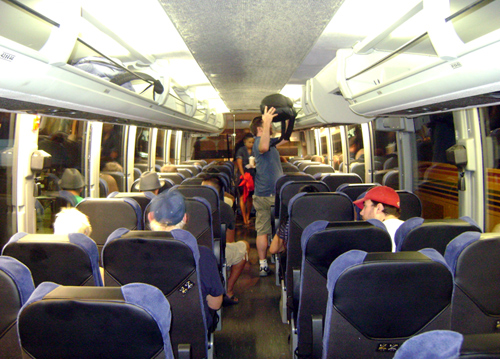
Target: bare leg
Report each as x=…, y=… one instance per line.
x=261, y=243
x=233, y=277
x=236, y=271
x=230, y=235
x=243, y=207
x=249, y=205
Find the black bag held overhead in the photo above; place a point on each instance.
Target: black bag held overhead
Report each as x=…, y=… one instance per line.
x=284, y=109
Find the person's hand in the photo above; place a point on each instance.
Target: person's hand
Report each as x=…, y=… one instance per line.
x=268, y=115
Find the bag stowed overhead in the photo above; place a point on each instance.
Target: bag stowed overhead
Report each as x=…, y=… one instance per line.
x=114, y=71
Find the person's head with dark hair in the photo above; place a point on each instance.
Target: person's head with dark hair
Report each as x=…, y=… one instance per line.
x=309, y=188
x=214, y=182
x=248, y=141
x=255, y=124
x=167, y=211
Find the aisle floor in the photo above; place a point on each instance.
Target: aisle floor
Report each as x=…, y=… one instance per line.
x=253, y=327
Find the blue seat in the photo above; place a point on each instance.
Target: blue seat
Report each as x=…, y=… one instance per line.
x=102, y=213
x=378, y=300
x=142, y=198
x=417, y=233
x=168, y=261
x=16, y=285
x=334, y=180
x=70, y=259
x=410, y=205
x=447, y=344
x=132, y=321
x=313, y=169
x=353, y=190
x=103, y=188
x=473, y=259
x=322, y=242
x=304, y=209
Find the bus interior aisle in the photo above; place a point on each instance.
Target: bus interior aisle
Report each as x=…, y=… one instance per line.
x=253, y=327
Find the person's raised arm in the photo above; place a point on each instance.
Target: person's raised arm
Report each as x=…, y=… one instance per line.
x=267, y=120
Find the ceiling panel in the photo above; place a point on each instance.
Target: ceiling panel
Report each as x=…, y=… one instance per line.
x=247, y=48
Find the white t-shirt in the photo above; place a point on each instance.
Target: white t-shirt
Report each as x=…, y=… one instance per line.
x=392, y=226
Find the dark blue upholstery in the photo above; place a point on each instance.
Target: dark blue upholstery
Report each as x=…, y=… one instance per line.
x=322, y=243
x=169, y=261
x=132, y=321
x=304, y=209
x=353, y=190
x=71, y=259
x=473, y=259
x=103, y=188
x=313, y=169
x=377, y=300
x=417, y=233
x=447, y=344
x=334, y=180
x=16, y=286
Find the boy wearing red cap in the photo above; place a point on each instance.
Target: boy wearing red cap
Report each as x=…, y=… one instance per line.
x=382, y=203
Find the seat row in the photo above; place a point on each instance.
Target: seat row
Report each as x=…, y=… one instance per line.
x=171, y=267
x=325, y=243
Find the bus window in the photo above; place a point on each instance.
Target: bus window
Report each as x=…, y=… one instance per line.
x=356, y=150
x=385, y=159
x=436, y=183
x=112, y=159
x=111, y=144
x=8, y=225
x=141, y=148
x=63, y=140
x=160, y=147
x=337, y=148
x=490, y=118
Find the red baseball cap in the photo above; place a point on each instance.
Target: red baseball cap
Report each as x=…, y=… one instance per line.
x=382, y=194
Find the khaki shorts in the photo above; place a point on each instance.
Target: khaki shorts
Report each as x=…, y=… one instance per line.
x=235, y=253
x=263, y=214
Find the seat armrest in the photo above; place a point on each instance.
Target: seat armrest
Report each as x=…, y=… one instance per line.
x=317, y=335
x=184, y=351
x=296, y=288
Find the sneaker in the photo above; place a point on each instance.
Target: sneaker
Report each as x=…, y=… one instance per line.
x=264, y=271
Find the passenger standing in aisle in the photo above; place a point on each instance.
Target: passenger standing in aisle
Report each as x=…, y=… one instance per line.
x=268, y=169
x=243, y=165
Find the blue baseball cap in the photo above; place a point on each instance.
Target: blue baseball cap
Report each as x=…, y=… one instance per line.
x=168, y=207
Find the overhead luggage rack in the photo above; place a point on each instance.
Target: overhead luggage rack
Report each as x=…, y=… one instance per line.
x=37, y=77
x=438, y=56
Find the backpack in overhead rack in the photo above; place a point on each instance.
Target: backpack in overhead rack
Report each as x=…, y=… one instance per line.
x=114, y=72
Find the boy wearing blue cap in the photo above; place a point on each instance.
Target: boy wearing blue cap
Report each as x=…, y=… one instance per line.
x=168, y=212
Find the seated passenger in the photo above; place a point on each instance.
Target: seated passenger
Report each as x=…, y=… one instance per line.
x=280, y=239
x=236, y=253
x=71, y=220
x=316, y=158
x=112, y=166
x=168, y=212
x=169, y=169
x=72, y=182
x=382, y=203
x=150, y=182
